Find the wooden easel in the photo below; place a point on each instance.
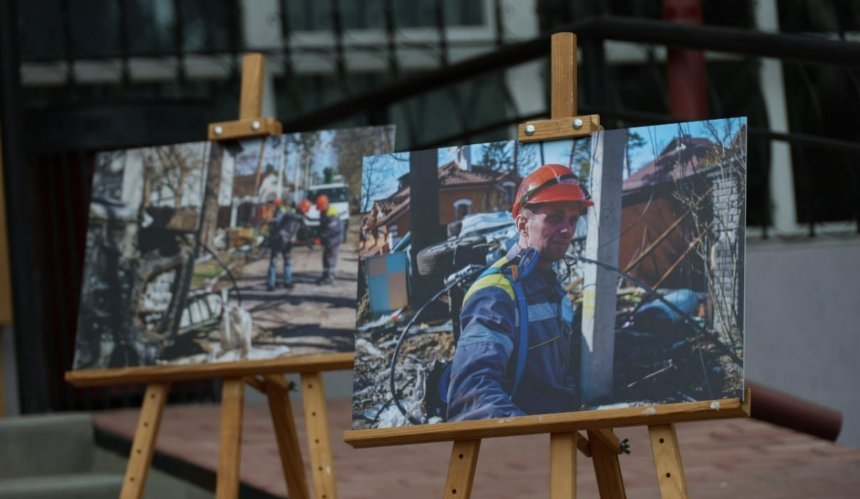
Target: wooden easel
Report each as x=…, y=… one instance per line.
x=601, y=444
x=267, y=376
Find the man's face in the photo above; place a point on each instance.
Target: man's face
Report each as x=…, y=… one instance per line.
x=548, y=228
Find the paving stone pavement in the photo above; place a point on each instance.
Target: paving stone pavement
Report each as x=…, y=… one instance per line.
x=740, y=458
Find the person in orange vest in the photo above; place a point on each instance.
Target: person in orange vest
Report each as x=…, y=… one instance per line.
x=331, y=235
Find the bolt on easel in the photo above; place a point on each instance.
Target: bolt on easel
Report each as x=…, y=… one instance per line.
x=600, y=443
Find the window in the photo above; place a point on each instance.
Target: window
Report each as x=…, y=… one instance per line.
x=508, y=192
x=462, y=207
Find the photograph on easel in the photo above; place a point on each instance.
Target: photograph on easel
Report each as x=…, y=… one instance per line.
x=213, y=252
x=509, y=279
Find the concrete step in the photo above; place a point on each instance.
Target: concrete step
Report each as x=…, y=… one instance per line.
x=62, y=486
x=56, y=456
x=54, y=444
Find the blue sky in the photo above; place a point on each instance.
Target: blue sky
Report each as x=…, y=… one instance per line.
x=658, y=137
x=277, y=155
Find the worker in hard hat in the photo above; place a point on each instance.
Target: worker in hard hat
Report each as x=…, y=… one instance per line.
x=515, y=355
x=282, y=231
x=331, y=235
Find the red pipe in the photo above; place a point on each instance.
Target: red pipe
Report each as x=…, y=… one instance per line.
x=688, y=97
x=787, y=411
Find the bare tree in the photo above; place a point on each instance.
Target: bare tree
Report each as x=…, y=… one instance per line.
x=717, y=222
x=497, y=156
x=305, y=146
x=174, y=174
x=634, y=141
x=376, y=170
x=351, y=146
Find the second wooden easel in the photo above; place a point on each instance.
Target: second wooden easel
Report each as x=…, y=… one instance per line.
x=267, y=376
x=600, y=442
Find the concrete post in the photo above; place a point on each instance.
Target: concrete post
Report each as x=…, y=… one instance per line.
x=601, y=244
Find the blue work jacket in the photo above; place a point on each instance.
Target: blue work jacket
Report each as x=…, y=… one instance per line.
x=331, y=227
x=482, y=373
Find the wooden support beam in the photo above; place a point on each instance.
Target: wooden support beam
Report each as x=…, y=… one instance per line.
x=143, y=445
x=583, y=445
x=552, y=423
x=243, y=129
x=559, y=128
x=607, y=469
x=250, y=123
x=251, y=99
x=277, y=392
x=316, y=419
x=149, y=374
x=461, y=469
x=667, y=461
x=608, y=438
x=563, y=70
x=256, y=383
x=229, y=453
x=562, y=475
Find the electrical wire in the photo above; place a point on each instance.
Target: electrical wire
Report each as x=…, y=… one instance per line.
x=403, y=334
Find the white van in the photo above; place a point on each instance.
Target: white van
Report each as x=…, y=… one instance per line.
x=338, y=196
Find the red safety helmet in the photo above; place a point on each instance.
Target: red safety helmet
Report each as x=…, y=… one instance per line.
x=550, y=183
x=322, y=202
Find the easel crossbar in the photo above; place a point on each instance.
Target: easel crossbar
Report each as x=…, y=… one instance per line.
x=172, y=373
x=551, y=423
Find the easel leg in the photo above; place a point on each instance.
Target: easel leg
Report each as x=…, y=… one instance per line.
x=562, y=475
x=316, y=418
x=667, y=460
x=232, y=406
x=144, y=441
x=607, y=469
x=288, y=439
x=461, y=469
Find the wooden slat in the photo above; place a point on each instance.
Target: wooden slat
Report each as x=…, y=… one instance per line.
x=253, y=70
x=229, y=451
x=316, y=419
x=607, y=469
x=250, y=122
x=563, y=69
x=551, y=423
x=244, y=128
x=608, y=438
x=461, y=469
x=583, y=445
x=148, y=374
x=667, y=461
x=562, y=475
x=557, y=129
x=256, y=383
x=287, y=437
x=143, y=445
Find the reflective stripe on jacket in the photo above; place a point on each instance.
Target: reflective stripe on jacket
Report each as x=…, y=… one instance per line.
x=331, y=227
x=483, y=368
